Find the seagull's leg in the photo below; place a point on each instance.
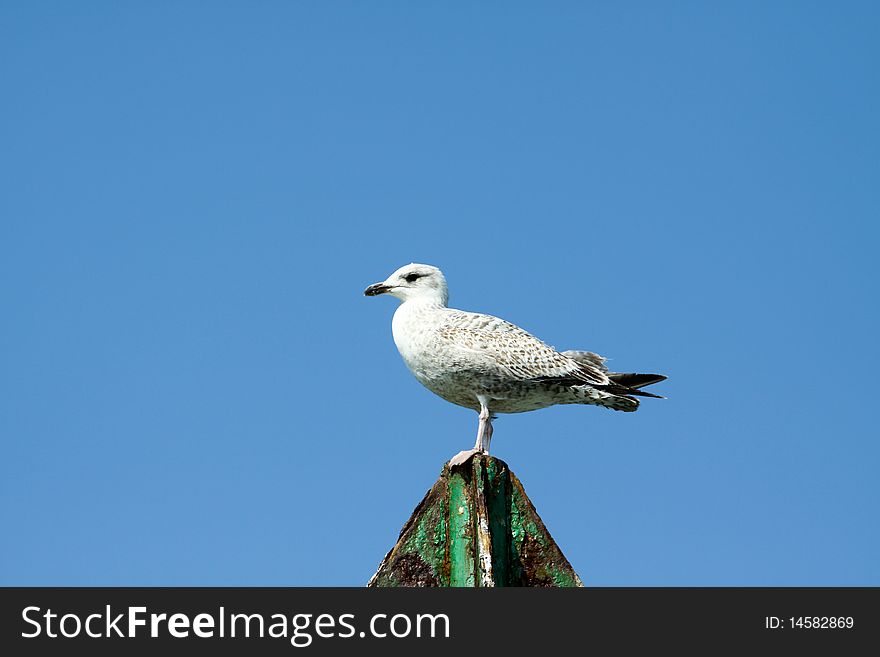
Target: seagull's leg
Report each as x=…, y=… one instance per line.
x=484, y=435
x=487, y=438
x=484, y=431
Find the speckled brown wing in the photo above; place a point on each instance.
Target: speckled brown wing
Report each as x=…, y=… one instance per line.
x=512, y=352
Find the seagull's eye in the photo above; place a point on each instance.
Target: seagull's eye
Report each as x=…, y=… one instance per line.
x=412, y=278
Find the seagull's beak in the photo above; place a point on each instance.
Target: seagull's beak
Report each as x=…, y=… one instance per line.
x=376, y=289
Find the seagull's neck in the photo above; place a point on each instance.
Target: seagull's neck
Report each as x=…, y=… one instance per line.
x=425, y=302
x=407, y=320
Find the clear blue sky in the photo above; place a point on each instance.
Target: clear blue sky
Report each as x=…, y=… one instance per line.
x=193, y=389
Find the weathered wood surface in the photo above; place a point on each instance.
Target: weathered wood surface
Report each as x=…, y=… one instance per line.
x=476, y=527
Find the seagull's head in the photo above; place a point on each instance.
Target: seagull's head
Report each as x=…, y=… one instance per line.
x=413, y=281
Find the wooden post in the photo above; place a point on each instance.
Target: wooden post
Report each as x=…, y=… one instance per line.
x=476, y=527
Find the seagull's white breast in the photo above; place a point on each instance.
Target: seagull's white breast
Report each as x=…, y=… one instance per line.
x=413, y=330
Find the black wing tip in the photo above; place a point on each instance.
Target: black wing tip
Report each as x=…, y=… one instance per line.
x=635, y=380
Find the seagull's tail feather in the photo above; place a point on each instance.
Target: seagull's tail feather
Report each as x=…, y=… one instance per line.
x=601, y=397
x=618, y=402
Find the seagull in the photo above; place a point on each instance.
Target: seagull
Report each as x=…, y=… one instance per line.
x=489, y=365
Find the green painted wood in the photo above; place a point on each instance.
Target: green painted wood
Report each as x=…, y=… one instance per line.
x=498, y=482
x=461, y=539
x=475, y=527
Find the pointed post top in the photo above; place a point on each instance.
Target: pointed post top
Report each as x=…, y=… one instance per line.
x=475, y=527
